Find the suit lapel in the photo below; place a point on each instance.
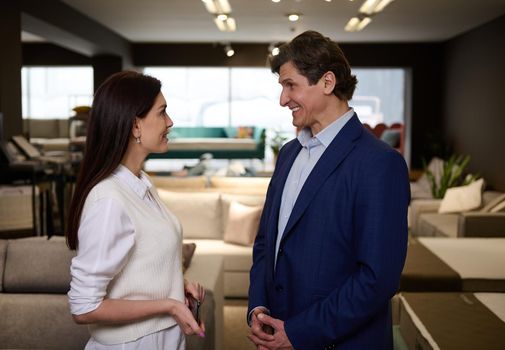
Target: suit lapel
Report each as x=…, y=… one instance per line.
x=332, y=157
x=292, y=150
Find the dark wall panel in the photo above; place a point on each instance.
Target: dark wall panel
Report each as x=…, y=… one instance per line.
x=10, y=68
x=474, y=112
x=44, y=54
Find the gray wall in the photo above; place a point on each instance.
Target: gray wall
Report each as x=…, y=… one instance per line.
x=474, y=107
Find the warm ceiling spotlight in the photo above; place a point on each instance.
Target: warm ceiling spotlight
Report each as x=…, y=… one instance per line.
x=374, y=6
x=356, y=24
x=293, y=17
x=221, y=10
x=227, y=25
x=276, y=0
x=217, y=6
x=228, y=50
x=273, y=49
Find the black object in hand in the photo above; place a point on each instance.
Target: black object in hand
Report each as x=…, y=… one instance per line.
x=194, y=306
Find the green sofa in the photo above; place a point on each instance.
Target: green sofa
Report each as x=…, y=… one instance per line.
x=222, y=142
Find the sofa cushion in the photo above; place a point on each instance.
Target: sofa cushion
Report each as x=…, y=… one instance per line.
x=198, y=212
x=39, y=321
x=462, y=198
x=242, y=224
x=47, y=270
x=246, y=199
x=236, y=257
x=256, y=185
x=173, y=183
x=188, y=249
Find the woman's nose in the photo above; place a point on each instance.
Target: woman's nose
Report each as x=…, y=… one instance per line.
x=169, y=122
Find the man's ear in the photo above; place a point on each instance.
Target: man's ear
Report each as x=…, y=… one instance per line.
x=329, y=81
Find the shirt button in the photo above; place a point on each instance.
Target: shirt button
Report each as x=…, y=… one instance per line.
x=281, y=252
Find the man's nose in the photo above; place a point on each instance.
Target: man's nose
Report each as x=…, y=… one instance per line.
x=284, y=99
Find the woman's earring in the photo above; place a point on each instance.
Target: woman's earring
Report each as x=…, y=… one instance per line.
x=137, y=140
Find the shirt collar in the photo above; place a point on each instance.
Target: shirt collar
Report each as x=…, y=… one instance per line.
x=139, y=185
x=325, y=136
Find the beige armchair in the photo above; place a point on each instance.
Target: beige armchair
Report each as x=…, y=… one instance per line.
x=487, y=221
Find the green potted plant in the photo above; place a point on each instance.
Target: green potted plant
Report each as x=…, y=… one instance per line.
x=276, y=142
x=450, y=176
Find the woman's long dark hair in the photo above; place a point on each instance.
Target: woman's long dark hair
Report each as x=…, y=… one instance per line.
x=121, y=98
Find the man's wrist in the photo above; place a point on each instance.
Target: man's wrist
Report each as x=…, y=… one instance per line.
x=257, y=310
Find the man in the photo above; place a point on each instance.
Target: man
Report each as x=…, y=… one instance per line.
x=333, y=234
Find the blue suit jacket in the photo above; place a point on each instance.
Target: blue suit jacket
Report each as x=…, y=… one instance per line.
x=343, y=248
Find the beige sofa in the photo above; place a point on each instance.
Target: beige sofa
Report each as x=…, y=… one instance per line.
x=202, y=205
x=48, y=134
x=34, y=280
x=483, y=222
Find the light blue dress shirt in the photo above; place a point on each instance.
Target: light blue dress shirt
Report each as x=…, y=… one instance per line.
x=313, y=148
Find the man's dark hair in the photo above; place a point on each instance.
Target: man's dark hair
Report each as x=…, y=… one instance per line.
x=313, y=55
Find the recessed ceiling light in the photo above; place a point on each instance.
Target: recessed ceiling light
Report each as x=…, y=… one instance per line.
x=276, y=0
x=293, y=17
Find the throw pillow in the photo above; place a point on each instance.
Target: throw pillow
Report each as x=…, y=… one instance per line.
x=462, y=198
x=243, y=223
x=188, y=249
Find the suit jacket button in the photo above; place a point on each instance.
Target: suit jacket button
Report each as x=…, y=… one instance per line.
x=281, y=252
x=278, y=288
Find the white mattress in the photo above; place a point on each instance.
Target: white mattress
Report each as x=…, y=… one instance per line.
x=471, y=258
x=212, y=144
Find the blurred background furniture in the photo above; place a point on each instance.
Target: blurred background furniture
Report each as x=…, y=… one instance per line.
x=204, y=206
x=393, y=135
x=486, y=221
x=34, y=280
x=221, y=142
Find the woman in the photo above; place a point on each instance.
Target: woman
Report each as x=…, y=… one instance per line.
x=127, y=281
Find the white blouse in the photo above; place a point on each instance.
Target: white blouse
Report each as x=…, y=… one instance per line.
x=101, y=256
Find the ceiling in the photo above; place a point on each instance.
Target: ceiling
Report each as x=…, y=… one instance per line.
x=263, y=21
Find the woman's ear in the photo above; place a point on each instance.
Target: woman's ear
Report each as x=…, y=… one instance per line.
x=136, y=131
x=330, y=81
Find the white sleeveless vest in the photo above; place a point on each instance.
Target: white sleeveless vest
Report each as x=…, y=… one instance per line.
x=153, y=270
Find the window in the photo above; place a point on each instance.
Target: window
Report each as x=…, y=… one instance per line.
x=52, y=92
x=379, y=95
x=250, y=96
x=223, y=96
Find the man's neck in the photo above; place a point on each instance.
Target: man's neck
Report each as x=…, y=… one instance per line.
x=336, y=109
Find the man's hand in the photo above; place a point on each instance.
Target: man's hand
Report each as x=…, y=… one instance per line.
x=278, y=341
x=258, y=328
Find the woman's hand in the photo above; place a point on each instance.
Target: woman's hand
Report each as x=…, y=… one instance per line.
x=181, y=313
x=195, y=289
